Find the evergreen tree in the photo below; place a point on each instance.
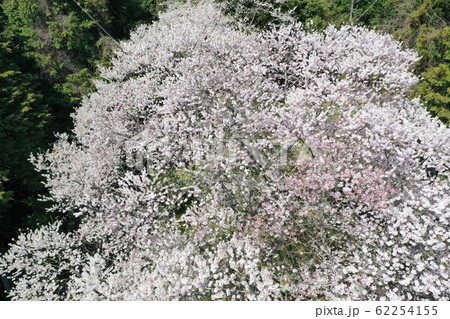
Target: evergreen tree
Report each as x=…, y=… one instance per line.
x=24, y=119
x=428, y=31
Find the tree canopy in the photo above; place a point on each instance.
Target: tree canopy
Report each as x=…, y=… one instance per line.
x=219, y=161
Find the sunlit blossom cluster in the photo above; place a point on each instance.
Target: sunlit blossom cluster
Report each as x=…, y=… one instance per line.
x=313, y=176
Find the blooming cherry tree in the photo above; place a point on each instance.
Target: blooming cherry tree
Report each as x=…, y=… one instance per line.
x=219, y=162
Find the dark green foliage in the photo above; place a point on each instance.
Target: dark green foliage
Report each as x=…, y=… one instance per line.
x=320, y=12
x=427, y=30
x=126, y=15
x=24, y=120
x=266, y=13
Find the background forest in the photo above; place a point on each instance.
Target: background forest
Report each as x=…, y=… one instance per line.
x=50, y=50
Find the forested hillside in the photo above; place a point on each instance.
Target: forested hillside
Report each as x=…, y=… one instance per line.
x=51, y=50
